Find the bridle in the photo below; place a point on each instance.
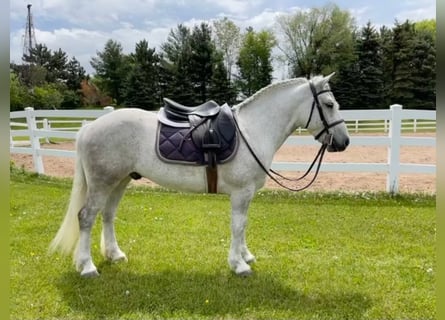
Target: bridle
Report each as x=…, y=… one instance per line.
x=319, y=157
x=326, y=125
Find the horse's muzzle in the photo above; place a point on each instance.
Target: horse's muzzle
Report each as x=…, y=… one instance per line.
x=336, y=146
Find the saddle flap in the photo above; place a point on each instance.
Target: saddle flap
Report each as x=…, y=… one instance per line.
x=225, y=123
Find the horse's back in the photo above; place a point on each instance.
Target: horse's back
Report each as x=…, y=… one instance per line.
x=118, y=126
x=117, y=139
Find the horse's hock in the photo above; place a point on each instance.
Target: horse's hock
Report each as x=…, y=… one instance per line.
x=326, y=181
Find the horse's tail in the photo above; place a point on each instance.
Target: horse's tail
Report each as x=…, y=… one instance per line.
x=68, y=234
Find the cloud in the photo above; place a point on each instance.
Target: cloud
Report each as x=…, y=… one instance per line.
x=417, y=14
x=236, y=7
x=82, y=27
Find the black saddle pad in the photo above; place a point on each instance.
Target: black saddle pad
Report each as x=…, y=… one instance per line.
x=175, y=145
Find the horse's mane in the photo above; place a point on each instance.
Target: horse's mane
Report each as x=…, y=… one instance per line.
x=283, y=83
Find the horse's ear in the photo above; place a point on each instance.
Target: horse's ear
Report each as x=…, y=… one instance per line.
x=326, y=79
x=329, y=76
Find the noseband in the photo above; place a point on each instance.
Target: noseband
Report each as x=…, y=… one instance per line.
x=316, y=103
x=327, y=142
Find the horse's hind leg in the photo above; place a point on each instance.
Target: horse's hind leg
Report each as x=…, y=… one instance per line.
x=87, y=216
x=108, y=243
x=239, y=254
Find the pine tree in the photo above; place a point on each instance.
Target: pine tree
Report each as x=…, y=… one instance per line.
x=141, y=88
x=111, y=67
x=221, y=89
x=201, y=62
x=424, y=71
x=403, y=85
x=175, y=68
x=370, y=68
x=386, y=44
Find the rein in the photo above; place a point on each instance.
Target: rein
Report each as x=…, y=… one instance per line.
x=272, y=174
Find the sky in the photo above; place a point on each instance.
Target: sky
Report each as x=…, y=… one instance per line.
x=82, y=27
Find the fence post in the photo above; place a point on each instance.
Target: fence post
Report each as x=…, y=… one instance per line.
x=34, y=140
x=395, y=129
x=46, y=126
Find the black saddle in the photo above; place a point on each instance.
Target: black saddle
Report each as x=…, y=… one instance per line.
x=210, y=127
x=179, y=112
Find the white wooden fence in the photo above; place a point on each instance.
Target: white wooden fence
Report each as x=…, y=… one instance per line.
x=394, y=116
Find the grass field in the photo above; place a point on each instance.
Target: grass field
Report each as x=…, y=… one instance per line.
x=319, y=256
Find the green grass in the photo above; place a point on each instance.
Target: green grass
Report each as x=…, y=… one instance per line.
x=319, y=256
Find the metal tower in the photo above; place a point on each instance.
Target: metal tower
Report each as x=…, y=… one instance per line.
x=30, y=36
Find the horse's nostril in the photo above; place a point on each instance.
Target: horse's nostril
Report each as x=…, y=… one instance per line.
x=346, y=142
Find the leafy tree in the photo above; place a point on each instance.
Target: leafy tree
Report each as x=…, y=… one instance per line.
x=428, y=26
x=317, y=41
x=227, y=40
x=71, y=99
x=47, y=96
x=111, y=67
x=141, y=86
x=18, y=93
x=30, y=74
x=255, y=61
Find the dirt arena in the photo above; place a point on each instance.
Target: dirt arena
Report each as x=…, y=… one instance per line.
x=327, y=181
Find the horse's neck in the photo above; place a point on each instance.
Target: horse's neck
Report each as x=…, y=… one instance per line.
x=269, y=119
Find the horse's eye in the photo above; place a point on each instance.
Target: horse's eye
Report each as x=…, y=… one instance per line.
x=330, y=104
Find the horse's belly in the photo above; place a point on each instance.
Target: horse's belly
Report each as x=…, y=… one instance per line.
x=185, y=178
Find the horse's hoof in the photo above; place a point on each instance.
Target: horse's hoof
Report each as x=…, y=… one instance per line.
x=90, y=274
x=122, y=258
x=250, y=260
x=245, y=273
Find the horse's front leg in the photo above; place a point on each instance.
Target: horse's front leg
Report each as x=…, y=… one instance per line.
x=239, y=254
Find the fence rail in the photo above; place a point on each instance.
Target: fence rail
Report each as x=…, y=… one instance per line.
x=393, y=120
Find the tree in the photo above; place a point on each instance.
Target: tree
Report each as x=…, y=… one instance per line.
x=75, y=73
x=201, y=62
x=221, y=89
x=111, y=67
x=18, y=93
x=370, y=65
x=227, y=40
x=386, y=44
x=175, y=69
x=141, y=86
x=255, y=61
x=192, y=70
x=39, y=55
x=402, y=84
x=317, y=41
x=47, y=96
x=428, y=26
x=424, y=70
